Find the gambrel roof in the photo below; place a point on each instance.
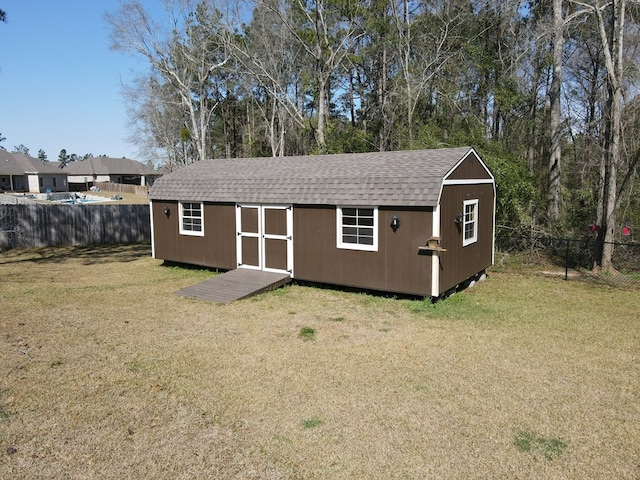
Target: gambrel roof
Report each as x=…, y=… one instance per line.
x=404, y=178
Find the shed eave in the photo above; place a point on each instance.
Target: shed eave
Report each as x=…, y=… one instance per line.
x=298, y=201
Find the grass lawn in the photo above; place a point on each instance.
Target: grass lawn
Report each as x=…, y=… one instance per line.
x=126, y=198
x=106, y=373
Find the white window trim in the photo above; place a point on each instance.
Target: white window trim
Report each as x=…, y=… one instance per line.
x=181, y=216
x=474, y=238
x=357, y=246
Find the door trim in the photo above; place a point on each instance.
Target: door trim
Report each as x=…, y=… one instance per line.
x=262, y=236
x=240, y=235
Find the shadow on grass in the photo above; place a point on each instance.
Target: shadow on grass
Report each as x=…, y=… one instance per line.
x=88, y=254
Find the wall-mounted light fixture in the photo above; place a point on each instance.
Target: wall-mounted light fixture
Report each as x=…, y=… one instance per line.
x=166, y=211
x=395, y=222
x=459, y=219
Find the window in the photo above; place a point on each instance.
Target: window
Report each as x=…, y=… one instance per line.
x=358, y=228
x=470, y=225
x=191, y=219
x=54, y=182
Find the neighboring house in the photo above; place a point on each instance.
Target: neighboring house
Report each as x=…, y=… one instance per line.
x=412, y=222
x=23, y=173
x=83, y=174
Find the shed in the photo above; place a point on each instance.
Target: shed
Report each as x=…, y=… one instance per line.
x=410, y=222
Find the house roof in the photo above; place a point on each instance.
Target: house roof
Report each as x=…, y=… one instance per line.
x=107, y=166
x=21, y=164
x=406, y=178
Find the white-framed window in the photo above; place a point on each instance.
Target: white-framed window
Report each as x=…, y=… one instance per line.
x=357, y=228
x=470, y=223
x=191, y=218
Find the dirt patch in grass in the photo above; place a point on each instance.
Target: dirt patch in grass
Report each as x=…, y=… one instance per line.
x=106, y=373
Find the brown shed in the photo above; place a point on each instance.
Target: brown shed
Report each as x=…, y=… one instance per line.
x=410, y=222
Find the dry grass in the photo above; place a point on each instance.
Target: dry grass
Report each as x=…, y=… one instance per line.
x=126, y=198
x=105, y=373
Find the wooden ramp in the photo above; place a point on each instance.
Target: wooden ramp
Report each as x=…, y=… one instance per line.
x=234, y=285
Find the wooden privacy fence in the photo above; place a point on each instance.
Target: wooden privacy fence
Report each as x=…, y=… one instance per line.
x=55, y=225
x=141, y=190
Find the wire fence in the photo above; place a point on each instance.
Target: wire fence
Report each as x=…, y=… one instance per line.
x=570, y=258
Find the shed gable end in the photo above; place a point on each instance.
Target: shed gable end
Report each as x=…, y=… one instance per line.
x=470, y=167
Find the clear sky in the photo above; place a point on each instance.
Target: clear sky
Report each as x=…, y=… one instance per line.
x=60, y=84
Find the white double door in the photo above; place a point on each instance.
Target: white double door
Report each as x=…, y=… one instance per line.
x=265, y=237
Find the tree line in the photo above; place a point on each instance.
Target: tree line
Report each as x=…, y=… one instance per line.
x=545, y=90
x=63, y=157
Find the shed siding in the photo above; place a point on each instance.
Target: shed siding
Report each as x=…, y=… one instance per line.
x=395, y=267
x=459, y=263
x=470, y=168
x=216, y=249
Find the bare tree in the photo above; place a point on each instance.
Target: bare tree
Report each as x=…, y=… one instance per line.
x=422, y=53
x=324, y=30
x=188, y=58
x=268, y=55
x=610, y=17
x=158, y=122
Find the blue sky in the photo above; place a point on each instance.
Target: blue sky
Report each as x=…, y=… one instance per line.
x=60, y=84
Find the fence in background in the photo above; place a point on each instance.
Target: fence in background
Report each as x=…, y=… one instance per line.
x=40, y=225
x=122, y=188
x=55, y=225
x=16, y=200
x=570, y=258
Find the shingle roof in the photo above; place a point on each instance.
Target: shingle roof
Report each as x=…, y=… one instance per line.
x=409, y=178
x=107, y=166
x=21, y=164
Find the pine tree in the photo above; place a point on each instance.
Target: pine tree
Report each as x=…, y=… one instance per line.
x=63, y=158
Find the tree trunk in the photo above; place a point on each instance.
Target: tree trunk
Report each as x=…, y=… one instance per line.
x=555, y=150
x=612, y=42
x=533, y=115
x=320, y=139
x=610, y=190
x=382, y=100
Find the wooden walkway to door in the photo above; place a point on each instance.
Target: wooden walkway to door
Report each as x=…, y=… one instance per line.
x=235, y=284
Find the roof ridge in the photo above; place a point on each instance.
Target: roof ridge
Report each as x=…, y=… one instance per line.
x=408, y=177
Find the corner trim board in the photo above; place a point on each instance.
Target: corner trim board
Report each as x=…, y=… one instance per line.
x=435, y=257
